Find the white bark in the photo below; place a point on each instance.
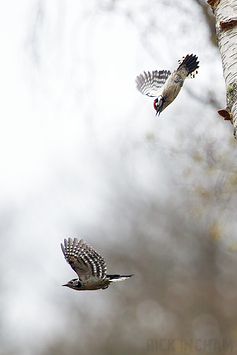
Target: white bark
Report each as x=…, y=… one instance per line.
x=227, y=41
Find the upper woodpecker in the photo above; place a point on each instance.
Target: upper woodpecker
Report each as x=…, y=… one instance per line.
x=165, y=86
x=89, y=266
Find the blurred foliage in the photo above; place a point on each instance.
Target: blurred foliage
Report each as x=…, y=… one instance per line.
x=184, y=287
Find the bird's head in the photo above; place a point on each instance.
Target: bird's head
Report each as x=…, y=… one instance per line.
x=74, y=283
x=158, y=104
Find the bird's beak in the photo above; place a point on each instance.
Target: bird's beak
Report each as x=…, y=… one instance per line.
x=65, y=285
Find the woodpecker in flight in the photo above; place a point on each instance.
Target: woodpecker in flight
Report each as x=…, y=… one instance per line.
x=165, y=86
x=89, y=265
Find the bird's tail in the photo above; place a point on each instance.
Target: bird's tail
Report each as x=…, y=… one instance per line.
x=116, y=278
x=191, y=64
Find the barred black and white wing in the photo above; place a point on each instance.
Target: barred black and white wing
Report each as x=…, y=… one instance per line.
x=84, y=260
x=150, y=83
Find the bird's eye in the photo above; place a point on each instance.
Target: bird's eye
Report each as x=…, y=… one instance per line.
x=75, y=283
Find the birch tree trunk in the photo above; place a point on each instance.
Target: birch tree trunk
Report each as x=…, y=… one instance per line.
x=225, y=12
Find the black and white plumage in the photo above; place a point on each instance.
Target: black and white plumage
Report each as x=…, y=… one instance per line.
x=89, y=265
x=165, y=86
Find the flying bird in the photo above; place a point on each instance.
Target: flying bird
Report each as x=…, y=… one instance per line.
x=89, y=265
x=165, y=86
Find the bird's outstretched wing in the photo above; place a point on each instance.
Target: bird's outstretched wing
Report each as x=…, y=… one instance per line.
x=84, y=260
x=149, y=83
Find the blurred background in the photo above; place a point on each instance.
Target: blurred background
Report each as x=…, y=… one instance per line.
x=83, y=155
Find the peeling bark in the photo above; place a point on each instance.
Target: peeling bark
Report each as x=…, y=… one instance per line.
x=225, y=14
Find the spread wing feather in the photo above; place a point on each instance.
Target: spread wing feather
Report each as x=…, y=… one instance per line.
x=149, y=83
x=84, y=260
